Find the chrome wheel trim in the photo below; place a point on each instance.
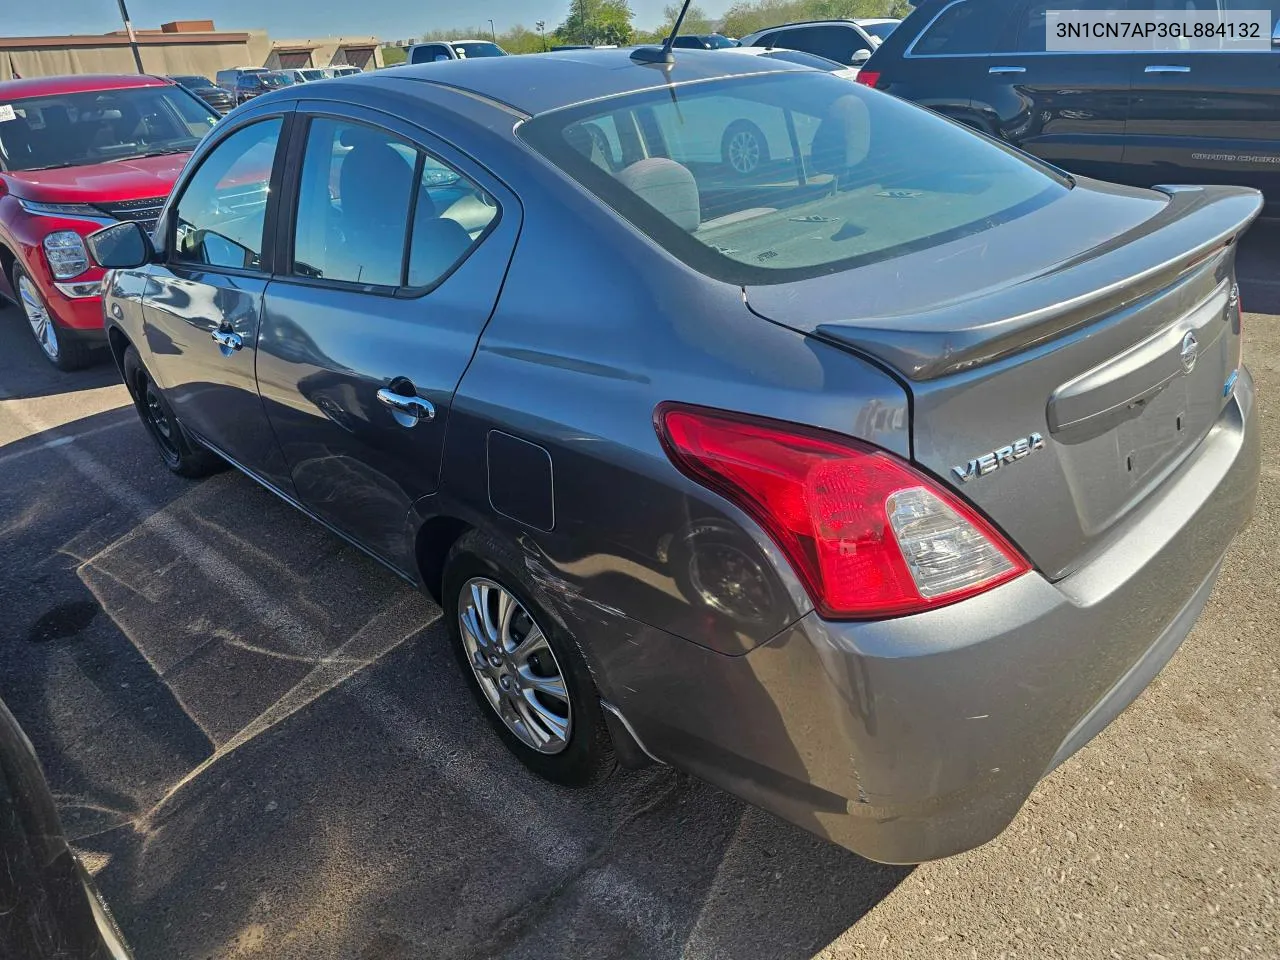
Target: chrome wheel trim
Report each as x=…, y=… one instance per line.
x=38, y=317
x=744, y=151
x=515, y=666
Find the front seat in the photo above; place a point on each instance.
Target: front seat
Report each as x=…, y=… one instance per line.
x=373, y=188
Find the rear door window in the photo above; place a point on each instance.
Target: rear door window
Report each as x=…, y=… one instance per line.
x=1222, y=9
x=376, y=211
x=1032, y=22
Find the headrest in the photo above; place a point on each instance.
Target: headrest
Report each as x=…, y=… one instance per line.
x=666, y=186
x=843, y=137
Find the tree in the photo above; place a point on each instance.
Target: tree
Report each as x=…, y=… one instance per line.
x=695, y=21
x=597, y=21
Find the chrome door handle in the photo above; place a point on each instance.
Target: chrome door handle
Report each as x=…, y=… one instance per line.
x=228, y=340
x=1007, y=70
x=1158, y=68
x=407, y=410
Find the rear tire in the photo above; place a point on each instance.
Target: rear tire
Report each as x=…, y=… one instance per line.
x=480, y=582
x=62, y=349
x=178, y=451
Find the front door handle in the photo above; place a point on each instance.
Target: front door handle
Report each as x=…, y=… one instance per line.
x=228, y=341
x=407, y=410
x=1007, y=70
x=1163, y=68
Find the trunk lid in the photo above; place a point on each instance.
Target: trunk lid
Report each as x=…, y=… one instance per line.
x=1061, y=366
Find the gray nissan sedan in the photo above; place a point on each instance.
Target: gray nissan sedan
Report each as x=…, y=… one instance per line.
x=868, y=479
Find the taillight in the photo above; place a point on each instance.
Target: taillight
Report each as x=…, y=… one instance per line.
x=869, y=77
x=868, y=535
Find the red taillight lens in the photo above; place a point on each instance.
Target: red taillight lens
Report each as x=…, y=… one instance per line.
x=869, y=77
x=868, y=535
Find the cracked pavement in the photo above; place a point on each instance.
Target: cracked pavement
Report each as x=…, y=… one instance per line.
x=262, y=747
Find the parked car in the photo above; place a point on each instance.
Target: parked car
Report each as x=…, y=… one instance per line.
x=705, y=41
x=77, y=153
x=882, y=485
x=346, y=71
x=227, y=79
x=207, y=90
x=1141, y=118
x=801, y=58
x=441, y=50
x=250, y=85
x=49, y=907
x=847, y=42
x=303, y=74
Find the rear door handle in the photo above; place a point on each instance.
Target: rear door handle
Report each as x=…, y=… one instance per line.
x=1163, y=68
x=407, y=410
x=1007, y=70
x=228, y=340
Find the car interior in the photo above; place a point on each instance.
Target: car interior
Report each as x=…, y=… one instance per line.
x=820, y=193
x=80, y=128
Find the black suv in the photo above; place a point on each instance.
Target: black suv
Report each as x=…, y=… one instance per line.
x=1140, y=118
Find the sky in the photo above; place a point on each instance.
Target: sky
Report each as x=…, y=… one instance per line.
x=386, y=19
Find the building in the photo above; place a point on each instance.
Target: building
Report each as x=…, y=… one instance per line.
x=179, y=47
x=362, y=52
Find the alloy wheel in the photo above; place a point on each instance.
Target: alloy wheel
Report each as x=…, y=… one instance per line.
x=38, y=316
x=744, y=152
x=515, y=666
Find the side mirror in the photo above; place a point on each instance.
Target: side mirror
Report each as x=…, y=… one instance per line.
x=860, y=57
x=121, y=246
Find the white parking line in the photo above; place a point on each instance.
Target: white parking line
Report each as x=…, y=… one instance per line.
x=65, y=438
x=468, y=776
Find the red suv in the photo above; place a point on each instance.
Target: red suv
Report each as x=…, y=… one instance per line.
x=76, y=154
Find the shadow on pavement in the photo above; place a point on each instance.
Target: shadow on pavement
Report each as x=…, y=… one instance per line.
x=261, y=743
x=28, y=374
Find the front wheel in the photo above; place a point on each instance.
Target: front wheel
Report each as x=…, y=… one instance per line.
x=64, y=351
x=525, y=672
x=181, y=454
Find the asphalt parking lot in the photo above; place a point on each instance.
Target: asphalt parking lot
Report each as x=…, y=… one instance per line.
x=262, y=748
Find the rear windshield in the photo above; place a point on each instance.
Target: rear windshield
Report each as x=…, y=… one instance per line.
x=880, y=30
x=805, y=59
x=774, y=178
x=471, y=50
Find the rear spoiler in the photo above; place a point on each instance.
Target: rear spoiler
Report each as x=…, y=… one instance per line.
x=1197, y=224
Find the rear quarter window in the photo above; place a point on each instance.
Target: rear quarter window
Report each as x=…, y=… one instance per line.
x=771, y=179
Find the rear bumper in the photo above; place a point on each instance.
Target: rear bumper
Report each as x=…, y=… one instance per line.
x=912, y=739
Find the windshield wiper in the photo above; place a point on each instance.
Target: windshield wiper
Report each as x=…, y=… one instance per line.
x=149, y=153
x=50, y=166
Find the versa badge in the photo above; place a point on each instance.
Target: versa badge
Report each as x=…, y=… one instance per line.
x=993, y=461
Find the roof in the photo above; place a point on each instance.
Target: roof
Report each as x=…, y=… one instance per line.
x=539, y=82
x=81, y=83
